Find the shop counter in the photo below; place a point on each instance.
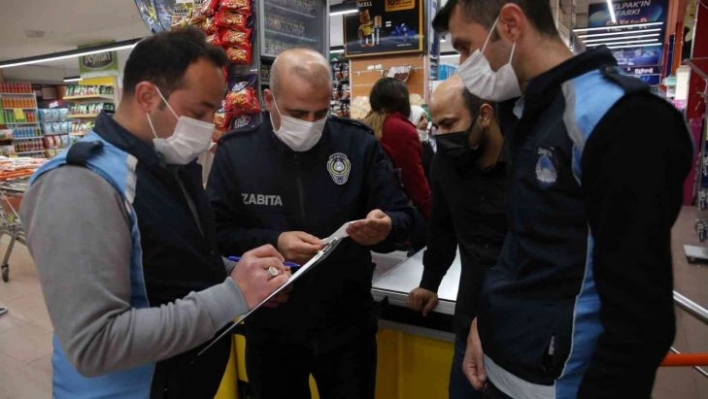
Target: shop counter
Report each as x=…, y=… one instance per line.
x=414, y=352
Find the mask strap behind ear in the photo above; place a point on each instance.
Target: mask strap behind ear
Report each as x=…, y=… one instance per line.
x=513, y=48
x=491, y=32
x=159, y=92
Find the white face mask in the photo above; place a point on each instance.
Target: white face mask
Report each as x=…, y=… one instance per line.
x=190, y=138
x=483, y=82
x=297, y=134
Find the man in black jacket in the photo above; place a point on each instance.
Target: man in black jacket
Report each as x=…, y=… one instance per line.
x=580, y=302
x=290, y=182
x=469, y=182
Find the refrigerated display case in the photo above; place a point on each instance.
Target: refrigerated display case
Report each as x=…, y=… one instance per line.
x=285, y=24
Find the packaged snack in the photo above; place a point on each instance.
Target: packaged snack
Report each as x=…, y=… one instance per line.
x=240, y=55
x=208, y=26
x=234, y=37
x=208, y=8
x=239, y=5
x=243, y=102
x=244, y=121
x=214, y=39
x=229, y=19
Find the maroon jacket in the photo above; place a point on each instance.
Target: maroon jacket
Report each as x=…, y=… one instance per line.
x=400, y=141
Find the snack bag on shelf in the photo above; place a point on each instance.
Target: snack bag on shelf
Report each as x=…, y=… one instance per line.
x=229, y=19
x=242, y=98
x=240, y=55
x=242, y=6
x=230, y=37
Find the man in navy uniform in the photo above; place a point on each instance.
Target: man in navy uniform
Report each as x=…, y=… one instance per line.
x=291, y=182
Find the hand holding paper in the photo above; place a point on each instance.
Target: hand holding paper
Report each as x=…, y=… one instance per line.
x=372, y=230
x=299, y=246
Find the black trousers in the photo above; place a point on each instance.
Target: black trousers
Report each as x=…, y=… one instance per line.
x=281, y=371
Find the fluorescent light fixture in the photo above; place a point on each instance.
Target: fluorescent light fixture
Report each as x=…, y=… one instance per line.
x=128, y=44
x=342, y=9
x=616, y=27
x=338, y=51
x=71, y=79
x=450, y=56
x=635, y=45
x=611, y=9
x=334, y=14
x=618, y=33
x=621, y=43
x=609, y=40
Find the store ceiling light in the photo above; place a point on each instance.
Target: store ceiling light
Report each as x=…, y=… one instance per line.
x=611, y=45
x=618, y=27
x=337, y=51
x=611, y=9
x=72, y=79
x=610, y=40
x=618, y=33
x=127, y=44
x=635, y=45
x=342, y=9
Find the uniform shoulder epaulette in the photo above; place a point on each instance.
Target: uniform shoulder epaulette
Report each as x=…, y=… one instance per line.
x=239, y=132
x=629, y=84
x=353, y=122
x=82, y=151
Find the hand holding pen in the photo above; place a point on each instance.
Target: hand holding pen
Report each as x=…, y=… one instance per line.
x=274, y=272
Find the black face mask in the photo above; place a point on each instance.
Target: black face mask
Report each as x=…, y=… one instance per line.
x=456, y=147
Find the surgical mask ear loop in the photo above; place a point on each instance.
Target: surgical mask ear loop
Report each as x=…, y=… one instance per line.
x=489, y=36
x=159, y=92
x=513, y=48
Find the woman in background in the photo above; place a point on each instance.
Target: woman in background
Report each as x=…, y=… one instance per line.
x=389, y=119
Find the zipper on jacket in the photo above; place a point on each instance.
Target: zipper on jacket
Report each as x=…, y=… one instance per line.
x=300, y=189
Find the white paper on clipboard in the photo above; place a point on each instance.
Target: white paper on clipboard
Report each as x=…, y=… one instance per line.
x=331, y=243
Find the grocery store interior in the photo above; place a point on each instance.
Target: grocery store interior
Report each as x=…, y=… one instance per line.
x=61, y=64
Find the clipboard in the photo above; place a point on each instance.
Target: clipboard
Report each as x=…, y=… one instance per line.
x=331, y=244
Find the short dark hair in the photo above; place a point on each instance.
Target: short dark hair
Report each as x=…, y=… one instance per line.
x=485, y=12
x=390, y=95
x=474, y=103
x=163, y=59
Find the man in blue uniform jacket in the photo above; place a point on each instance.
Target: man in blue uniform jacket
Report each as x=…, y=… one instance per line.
x=579, y=303
x=290, y=182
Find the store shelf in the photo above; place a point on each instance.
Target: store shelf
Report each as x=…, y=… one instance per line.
x=26, y=138
x=300, y=38
x=30, y=152
x=290, y=11
x=83, y=116
x=90, y=97
x=21, y=123
x=56, y=134
x=77, y=134
x=18, y=94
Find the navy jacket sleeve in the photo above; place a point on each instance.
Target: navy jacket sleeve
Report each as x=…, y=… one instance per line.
x=442, y=240
x=229, y=211
x=386, y=194
x=634, y=166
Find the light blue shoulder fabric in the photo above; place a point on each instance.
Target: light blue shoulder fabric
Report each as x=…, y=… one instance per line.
x=118, y=168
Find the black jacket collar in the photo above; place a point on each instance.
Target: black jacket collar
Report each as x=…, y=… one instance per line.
x=543, y=87
x=114, y=133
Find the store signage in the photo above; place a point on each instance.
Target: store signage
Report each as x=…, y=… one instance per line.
x=641, y=61
x=628, y=12
x=384, y=27
x=101, y=64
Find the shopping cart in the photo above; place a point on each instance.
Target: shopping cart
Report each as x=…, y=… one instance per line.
x=11, y=192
